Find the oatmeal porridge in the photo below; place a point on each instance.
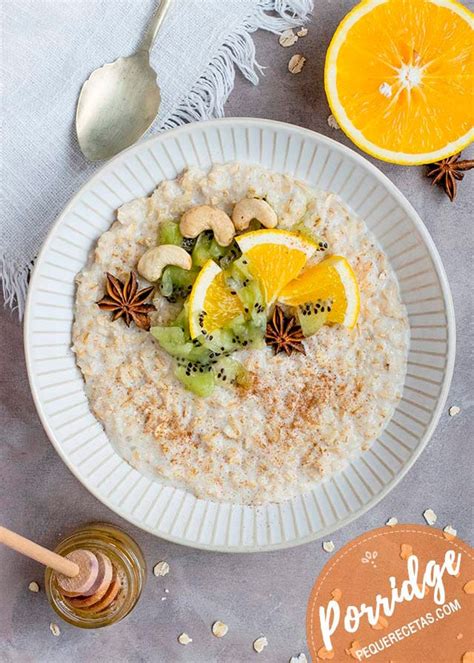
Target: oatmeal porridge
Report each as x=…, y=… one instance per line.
x=297, y=417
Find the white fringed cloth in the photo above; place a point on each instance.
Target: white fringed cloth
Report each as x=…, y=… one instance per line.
x=50, y=47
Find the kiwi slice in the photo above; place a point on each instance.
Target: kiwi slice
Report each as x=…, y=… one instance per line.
x=197, y=378
x=232, y=253
x=248, y=333
x=247, y=288
x=302, y=229
x=173, y=341
x=206, y=247
x=313, y=315
x=229, y=371
x=169, y=233
x=176, y=283
x=239, y=334
x=219, y=342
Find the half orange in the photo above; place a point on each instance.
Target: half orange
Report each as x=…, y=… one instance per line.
x=399, y=78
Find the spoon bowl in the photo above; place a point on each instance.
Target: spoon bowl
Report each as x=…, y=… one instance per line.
x=120, y=100
x=117, y=104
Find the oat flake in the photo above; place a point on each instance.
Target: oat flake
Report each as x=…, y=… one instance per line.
x=454, y=410
x=260, y=644
x=430, y=516
x=449, y=532
x=184, y=639
x=219, y=629
x=328, y=546
x=301, y=658
x=161, y=569
x=296, y=63
x=55, y=630
x=287, y=38
x=333, y=123
x=391, y=522
x=34, y=587
x=302, y=32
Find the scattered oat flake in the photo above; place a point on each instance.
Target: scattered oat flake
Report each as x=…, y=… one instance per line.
x=469, y=587
x=468, y=657
x=163, y=598
x=336, y=594
x=459, y=636
x=354, y=648
x=219, y=629
x=161, y=569
x=55, y=630
x=324, y=654
x=167, y=591
x=430, y=516
x=301, y=658
x=454, y=410
x=34, y=587
x=184, y=639
x=328, y=546
x=449, y=532
x=288, y=38
x=296, y=63
x=302, y=32
x=333, y=123
x=405, y=550
x=260, y=644
x=391, y=522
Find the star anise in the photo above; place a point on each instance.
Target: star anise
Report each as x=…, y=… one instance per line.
x=447, y=171
x=284, y=333
x=125, y=301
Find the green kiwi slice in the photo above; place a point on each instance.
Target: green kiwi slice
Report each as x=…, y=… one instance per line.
x=229, y=371
x=197, y=378
x=206, y=247
x=313, y=315
x=176, y=283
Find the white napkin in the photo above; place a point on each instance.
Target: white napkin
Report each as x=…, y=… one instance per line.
x=50, y=47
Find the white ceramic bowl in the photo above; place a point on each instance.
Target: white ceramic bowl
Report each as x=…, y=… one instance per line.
x=58, y=388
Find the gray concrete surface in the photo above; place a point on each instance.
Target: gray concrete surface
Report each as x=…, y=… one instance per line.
x=255, y=594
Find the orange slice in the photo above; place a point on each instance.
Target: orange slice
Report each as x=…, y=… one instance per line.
x=399, y=78
x=275, y=257
x=211, y=305
x=332, y=278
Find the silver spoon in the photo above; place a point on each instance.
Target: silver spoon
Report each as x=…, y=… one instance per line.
x=119, y=101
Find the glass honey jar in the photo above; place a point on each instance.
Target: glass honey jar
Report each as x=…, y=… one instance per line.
x=129, y=569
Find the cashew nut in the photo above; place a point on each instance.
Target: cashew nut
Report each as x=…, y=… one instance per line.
x=253, y=208
x=153, y=261
x=205, y=217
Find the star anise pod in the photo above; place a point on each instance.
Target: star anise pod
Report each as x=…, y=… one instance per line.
x=447, y=171
x=125, y=301
x=284, y=333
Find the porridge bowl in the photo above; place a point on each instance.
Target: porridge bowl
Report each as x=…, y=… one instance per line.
x=319, y=437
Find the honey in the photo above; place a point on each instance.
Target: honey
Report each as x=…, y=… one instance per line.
x=129, y=569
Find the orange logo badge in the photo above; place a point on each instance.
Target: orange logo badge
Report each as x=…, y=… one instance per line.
x=402, y=594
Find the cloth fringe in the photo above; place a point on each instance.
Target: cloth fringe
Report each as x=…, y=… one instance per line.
x=208, y=96
x=14, y=284
x=205, y=101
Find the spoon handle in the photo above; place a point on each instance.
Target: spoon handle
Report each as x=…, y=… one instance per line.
x=154, y=25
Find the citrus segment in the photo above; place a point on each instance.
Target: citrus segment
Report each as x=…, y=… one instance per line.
x=331, y=279
x=211, y=304
x=275, y=257
x=399, y=78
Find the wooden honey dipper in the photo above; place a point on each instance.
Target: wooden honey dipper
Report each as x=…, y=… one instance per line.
x=87, y=580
